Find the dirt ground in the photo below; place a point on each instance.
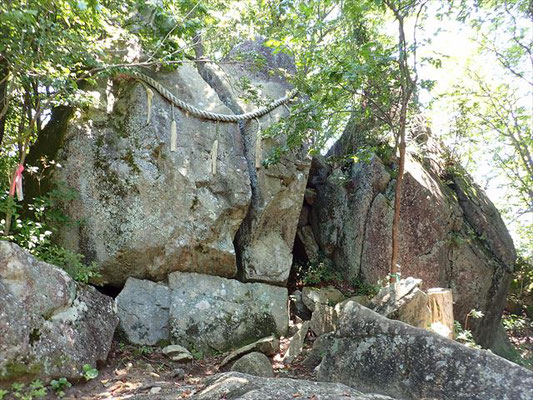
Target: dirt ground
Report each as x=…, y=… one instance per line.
x=143, y=371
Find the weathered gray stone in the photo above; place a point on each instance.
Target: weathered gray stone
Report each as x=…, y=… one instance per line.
x=338, y=216
x=50, y=326
x=323, y=320
x=296, y=344
x=146, y=210
x=255, y=363
x=213, y=314
x=376, y=354
x=363, y=300
x=320, y=347
x=265, y=239
x=143, y=308
x=329, y=296
x=174, y=349
x=268, y=346
x=405, y=302
x=182, y=357
x=310, y=246
x=390, y=297
x=415, y=310
x=237, y=386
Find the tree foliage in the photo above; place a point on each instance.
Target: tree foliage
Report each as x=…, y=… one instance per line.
x=351, y=68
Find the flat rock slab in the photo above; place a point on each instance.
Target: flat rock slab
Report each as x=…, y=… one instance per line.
x=238, y=386
x=50, y=325
x=376, y=354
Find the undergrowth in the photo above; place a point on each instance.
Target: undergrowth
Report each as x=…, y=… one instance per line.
x=33, y=227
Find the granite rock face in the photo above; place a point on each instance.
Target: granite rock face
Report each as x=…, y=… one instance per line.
x=450, y=233
x=237, y=386
x=375, y=354
x=147, y=210
x=50, y=326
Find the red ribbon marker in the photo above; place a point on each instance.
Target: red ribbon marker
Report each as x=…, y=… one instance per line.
x=17, y=183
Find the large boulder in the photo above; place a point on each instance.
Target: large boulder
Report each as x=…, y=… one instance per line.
x=265, y=239
x=375, y=354
x=203, y=313
x=450, y=234
x=238, y=386
x=146, y=210
x=50, y=326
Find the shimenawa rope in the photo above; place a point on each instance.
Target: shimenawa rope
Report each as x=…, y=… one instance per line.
x=207, y=114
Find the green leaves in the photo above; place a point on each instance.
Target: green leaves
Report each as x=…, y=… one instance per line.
x=89, y=372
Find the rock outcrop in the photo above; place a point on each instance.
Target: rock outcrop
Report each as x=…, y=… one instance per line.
x=405, y=302
x=374, y=354
x=234, y=385
x=50, y=326
x=451, y=235
x=203, y=313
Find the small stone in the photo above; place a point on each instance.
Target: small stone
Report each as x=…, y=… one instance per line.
x=323, y=320
x=155, y=390
x=174, y=349
x=254, y=364
x=178, y=374
x=182, y=357
x=327, y=296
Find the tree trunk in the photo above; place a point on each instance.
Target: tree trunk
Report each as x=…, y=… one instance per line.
x=441, y=306
x=4, y=73
x=397, y=203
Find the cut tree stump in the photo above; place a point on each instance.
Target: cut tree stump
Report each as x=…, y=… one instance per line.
x=441, y=306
